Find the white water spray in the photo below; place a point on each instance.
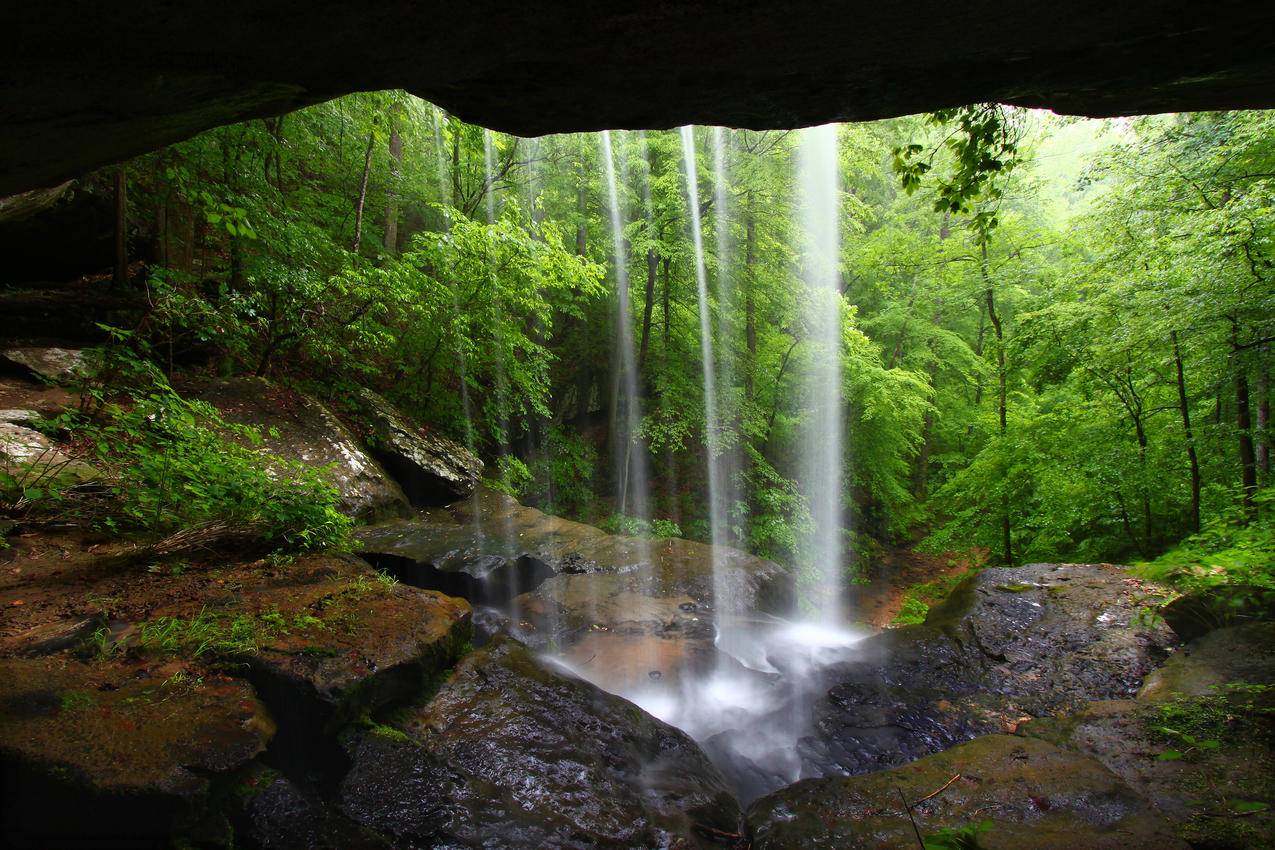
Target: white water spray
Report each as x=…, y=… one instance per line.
x=821, y=454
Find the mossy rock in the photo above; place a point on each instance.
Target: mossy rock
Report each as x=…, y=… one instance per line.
x=1035, y=795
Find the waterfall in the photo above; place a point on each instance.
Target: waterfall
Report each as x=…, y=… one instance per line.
x=821, y=452
x=632, y=479
x=724, y=604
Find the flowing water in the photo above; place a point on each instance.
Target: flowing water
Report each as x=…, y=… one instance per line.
x=738, y=681
x=631, y=475
x=821, y=458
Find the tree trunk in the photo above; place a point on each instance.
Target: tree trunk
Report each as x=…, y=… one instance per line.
x=582, y=213
x=391, y=194
x=1185, y=410
x=989, y=297
x=358, y=207
x=1243, y=425
x=1264, y=415
x=121, y=228
x=750, y=308
x=648, y=304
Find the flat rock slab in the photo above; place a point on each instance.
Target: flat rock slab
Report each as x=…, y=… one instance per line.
x=127, y=748
x=596, y=577
x=1008, y=645
x=50, y=364
x=1034, y=794
x=514, y=752
x=297, y=427
x=1199, y=791
x=431, y=469
x=35, y=461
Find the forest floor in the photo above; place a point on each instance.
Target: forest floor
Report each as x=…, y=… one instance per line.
x=895, y=573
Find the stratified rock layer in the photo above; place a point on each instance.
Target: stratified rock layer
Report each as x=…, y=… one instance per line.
x=432, y=470
x=297, y=427
x=125, y=749
x=72, y=104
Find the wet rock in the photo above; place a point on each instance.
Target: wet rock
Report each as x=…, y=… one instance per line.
x=1198, y=790
x=336, y=642
x=432, y=470
x=113, y=754
x=1194, y=614
x=35, y=461
x=1009, y=644
x=54, y=636
x=1236, y=654
x=297, y=427
x=1034, y=794
x=589, y=577
x=514, y=752
x=50, y=364
x=275, y=814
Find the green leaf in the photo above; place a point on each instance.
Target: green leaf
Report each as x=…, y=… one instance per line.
x=1245, y=807
x=1169, y=755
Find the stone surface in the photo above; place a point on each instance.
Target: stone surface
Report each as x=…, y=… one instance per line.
x=1199, y=612
x=1008, y=645
x=309, y=433
x=72, y=105
x=1237, y=654
x=1035, y=795
x=275, y=814
x=432, y=470
x=513, y=752
x=589, y=576
x=35, y=461
x=1198, y=790
x=127, y=749
x=51, y=364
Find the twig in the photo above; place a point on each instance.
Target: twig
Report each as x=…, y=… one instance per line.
x=919, y=840
x=936, y=793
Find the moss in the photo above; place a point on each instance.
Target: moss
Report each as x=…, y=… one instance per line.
x=1017, y=587
x=389, y=733
x=76, y=700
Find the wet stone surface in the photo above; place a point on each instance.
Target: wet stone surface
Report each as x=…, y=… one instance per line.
x=514, y=752
x=1008, y=645
x=307, y=432
x=1035, y=795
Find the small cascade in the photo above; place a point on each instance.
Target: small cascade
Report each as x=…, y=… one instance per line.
x=822, y=455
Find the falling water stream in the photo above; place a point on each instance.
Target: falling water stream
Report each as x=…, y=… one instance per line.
x=821, y=456
x=748, y=699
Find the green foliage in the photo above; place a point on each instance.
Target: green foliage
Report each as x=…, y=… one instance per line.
x=217, y=634
x=1229, y=713
x=919, y=598
x=1230, y=549
x=563, y=472
x=957, y=837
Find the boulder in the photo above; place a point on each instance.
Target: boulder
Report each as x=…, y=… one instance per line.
x=35, y=461
x=1031, y=794
x=49, y=364
x=131, y=750
x=1200, y=789
x=1236, y=654
x=1194, y=614
x=515, y=752
x=1008, y=645
x=297, y=427
x=431, y=469
x=273, y=813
